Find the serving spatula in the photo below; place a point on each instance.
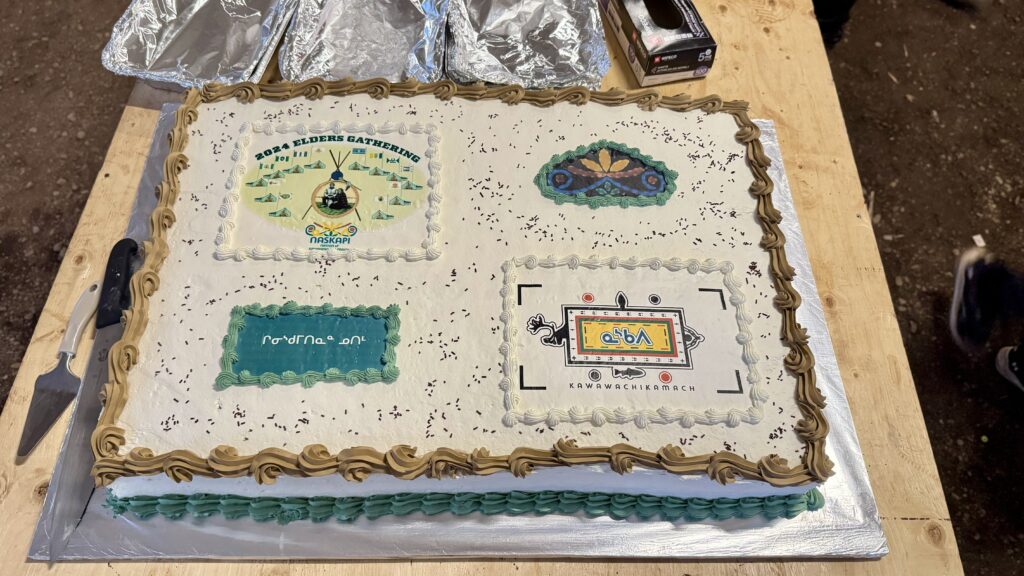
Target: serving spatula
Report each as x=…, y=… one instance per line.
x=71, y=486
x=58, y=387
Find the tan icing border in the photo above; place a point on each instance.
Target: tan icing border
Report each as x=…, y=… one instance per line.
x=401, y=461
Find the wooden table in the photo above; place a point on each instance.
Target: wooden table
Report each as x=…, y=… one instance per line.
x=770, y=53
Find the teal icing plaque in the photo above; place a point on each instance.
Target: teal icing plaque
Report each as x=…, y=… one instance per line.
x=294, y=344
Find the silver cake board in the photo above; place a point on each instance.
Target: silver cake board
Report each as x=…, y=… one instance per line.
x=847, y=526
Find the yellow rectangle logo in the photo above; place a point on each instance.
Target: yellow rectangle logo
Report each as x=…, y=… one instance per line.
x=625, y=336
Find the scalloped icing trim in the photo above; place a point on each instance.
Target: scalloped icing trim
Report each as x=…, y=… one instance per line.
x=401, y=461
x=224, y=241
x=600, y=415
x=389, y=373
x=351, y=508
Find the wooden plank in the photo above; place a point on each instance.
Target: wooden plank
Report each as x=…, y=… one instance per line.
x=771, y=55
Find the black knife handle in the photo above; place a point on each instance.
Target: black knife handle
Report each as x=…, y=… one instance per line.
x=116, y=296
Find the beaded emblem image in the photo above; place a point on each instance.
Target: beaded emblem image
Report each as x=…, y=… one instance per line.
x=606, y=173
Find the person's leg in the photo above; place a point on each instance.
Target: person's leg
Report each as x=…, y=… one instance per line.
x=976, y=5
x=1013, y=294
x=984, y=292
x=1010, y=364
x=832, y=16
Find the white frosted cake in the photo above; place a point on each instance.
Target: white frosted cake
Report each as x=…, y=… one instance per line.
x=364, y=299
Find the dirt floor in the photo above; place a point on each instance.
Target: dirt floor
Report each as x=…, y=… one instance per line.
x=932, y=97
x=60, y=109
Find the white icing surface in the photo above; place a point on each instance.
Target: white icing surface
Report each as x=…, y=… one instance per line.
x=449, y=392
x=592, y=478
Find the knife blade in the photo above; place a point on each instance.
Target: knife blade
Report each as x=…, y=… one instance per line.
x=72, y=486
x=56, y=389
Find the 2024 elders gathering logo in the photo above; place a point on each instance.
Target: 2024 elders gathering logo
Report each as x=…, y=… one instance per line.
x=331, y=190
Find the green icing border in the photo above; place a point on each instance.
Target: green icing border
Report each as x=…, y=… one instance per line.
x=389, y=373
x=541, y=179
x=348, y=509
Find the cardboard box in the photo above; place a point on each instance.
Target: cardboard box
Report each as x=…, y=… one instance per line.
x=664, y=40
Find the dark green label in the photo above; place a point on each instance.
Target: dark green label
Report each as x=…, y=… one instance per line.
x=289, y=344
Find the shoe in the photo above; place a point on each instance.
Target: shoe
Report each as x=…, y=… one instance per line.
x=976, y=298
x=832, y=17
x=1010, y=364
x=975, y=5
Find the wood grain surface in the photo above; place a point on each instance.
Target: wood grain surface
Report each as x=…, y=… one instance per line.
x=770, y=54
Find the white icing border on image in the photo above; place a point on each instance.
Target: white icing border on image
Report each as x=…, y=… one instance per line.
x=599, y=415
x=429, y=249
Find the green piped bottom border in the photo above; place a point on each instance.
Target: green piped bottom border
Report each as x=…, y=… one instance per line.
x=348, y=509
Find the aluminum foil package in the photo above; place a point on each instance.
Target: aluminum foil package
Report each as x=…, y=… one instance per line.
x=535, y=43
x=192, y=42
x=360, y=39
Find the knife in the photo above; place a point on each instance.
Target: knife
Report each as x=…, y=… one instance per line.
x=55, y=389
x=72, y=486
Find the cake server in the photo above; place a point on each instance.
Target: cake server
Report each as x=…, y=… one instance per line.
x=55, y=389
x=71, y=485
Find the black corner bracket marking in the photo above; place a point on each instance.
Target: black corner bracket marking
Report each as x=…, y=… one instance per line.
x=519, y=301
x=525, y=387
x=519, y=291
x=738, y=390
x=721, y=294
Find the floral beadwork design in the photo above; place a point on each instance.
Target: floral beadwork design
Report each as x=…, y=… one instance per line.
x=606, y=173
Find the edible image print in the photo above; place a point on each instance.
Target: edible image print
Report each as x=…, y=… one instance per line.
x=606, y=174
x=357, y=189
x=638, y=342
x=620, y=335
x=295, y=344
x=314, y=196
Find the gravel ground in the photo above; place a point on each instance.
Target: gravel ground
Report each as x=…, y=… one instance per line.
x=932, y=98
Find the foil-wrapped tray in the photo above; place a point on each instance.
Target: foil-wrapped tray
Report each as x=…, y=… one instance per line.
x=193, y=42
x=392, y=39
x=533, y=43
x=847, y=526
